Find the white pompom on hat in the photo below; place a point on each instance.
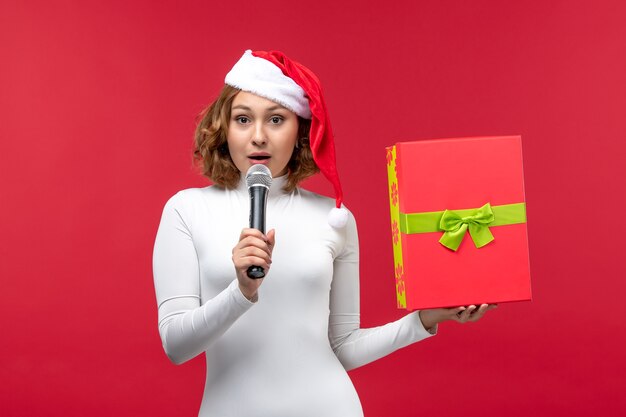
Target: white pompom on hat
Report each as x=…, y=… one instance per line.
x=274, y=76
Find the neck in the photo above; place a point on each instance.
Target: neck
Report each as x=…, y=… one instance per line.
x=276, y=189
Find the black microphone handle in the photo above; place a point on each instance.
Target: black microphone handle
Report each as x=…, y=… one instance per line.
x=258, y=202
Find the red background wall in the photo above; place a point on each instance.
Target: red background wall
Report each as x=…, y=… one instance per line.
x=97, y=107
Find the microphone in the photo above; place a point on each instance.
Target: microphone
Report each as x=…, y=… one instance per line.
x=258, y=180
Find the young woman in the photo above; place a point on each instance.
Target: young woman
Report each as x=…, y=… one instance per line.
x=281, y=345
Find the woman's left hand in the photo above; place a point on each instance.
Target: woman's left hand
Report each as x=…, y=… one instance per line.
x=459, y=314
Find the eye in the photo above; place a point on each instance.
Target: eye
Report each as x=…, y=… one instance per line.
x=242, y=120
x=276, y=120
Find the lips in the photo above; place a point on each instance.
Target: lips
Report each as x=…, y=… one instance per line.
x=259, y=157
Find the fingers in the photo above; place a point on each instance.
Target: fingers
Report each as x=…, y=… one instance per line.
x=479, y=312
x=252, y=234
x=271, y=238
x=471, y=312
x=249, y=256
x=252, y=244
x=455, y=313
x=254, y=238
x=464, y=315
x=253, y=248
x=483, y=309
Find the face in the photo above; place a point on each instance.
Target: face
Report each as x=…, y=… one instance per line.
x=261, y=131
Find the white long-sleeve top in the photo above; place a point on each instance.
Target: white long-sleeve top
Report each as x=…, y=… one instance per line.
x=286, y=354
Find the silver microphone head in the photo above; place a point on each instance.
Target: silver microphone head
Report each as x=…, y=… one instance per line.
x=259, y=174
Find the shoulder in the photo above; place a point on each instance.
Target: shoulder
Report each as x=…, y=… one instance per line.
x=190, y=201
x=187, y=207
x=191, y=196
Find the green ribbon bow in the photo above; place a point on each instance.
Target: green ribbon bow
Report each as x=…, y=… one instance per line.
x=456, y=223
x=456, y=226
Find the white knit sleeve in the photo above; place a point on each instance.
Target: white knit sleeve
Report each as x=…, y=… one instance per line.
x=186, y=327
x=355, y=346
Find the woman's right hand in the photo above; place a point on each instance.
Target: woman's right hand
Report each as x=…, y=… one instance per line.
x=253, y=249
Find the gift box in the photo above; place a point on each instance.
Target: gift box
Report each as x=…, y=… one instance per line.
x=458, y=220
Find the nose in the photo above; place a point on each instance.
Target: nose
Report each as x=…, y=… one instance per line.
x=259, y=137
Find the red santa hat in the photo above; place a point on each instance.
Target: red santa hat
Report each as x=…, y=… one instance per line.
x=274, y=76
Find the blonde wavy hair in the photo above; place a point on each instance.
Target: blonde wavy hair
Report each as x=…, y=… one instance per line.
x=211, y=146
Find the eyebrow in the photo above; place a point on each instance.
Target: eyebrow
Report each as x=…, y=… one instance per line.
x=273, y=108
